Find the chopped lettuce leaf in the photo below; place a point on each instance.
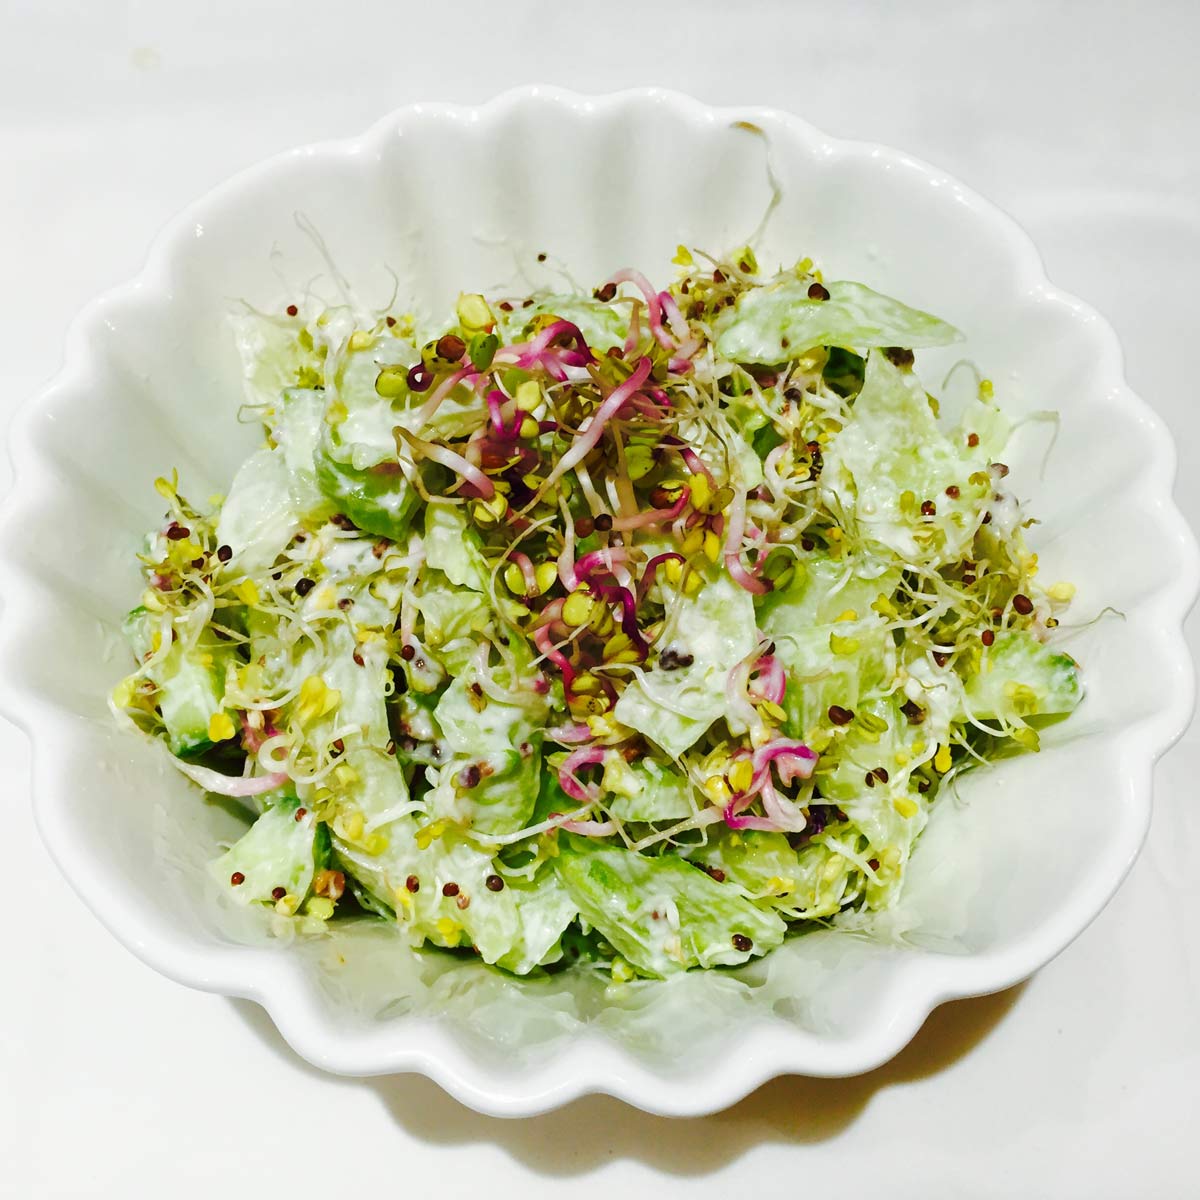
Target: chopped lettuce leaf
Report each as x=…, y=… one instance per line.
x=761, y=864
x=452, y=547
x=891, y=467
x=716, y=629
x=278, y=851
x=450, y=613
x=778, y=323
x=822, y=589
x=1019, y=677
x=297, y=432
x=376, y=498
x=645, y=790
x=258, y=518
x=663, y=914
x=274, y=356
x=438, y=888
x=493, y=778
x=820, y=676
x=602, y=325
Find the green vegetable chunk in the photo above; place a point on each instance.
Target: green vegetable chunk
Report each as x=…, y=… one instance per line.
x=775, y=324
x=1020, y=677
x=663, y=914
x=278, y=851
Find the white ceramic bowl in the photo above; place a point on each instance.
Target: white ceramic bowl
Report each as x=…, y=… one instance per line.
x=462, y=198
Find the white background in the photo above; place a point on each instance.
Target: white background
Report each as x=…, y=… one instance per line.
x=1083, y=120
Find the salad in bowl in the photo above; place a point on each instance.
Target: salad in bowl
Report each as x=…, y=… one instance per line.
x=626, y=630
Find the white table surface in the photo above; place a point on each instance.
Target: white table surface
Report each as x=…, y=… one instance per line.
x=1083, y=120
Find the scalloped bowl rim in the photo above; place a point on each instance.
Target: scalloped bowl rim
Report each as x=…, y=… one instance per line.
x=591, y=1063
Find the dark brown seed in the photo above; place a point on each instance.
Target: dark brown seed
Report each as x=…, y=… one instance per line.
x=408, y=653
x=818, y=291
x=584, y=527
x=870, y=779
x=178, y=532
x=923, y=785
x=1022, y=604
x=413, y=883
x=881, y=774
x=603, y=523
x=953, y=492
x=451, y=347
x=715, y=873
x=292, y=310
x=913, y=711
x=390, y=748
x=928, y=508
x=358, y=659
x=807, y=544
x=338, y=746
x=940, y=658
x=494, y=883
x=987, y=637
x=718, y=276
x=469, y=777
x=742, y=943
x=504, y=306
x=900, y=356
x=345, y=603
x=606, y=293
x=278, y=893
x=987, y=518
x=839, y=715
x=224, y=553
x=304, y=586
x=301, y=813
x=542, y=256
x=449, y=889
x=237, y=879
x=391, y=322
x=873, y=863
x=968, y=579
x=972, y=439
x=671, y=660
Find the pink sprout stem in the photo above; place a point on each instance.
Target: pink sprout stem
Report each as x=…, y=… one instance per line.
x=653, y=304
x=586, y=441
x=585, y=756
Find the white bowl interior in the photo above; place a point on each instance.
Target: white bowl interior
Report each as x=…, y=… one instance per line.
x=456, y=200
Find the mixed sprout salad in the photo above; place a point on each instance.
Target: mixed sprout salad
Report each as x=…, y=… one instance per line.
x=636, y=629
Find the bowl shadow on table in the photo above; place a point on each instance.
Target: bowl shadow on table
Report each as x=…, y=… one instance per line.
x=792, y=1110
